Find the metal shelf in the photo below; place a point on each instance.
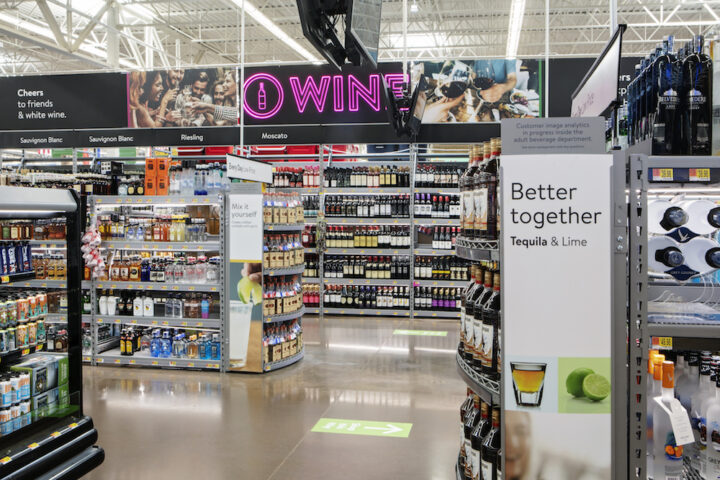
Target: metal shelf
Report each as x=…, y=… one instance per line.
x=367, y=221
x=163, y=246
x=310, y=250
x=438, y=190
x=367, y=190
x=12, y=355
x=278, y=272
x=311, y=220
x=434, y=314
x=311, y=280
x=113, y=357
x=87, y=318
x=156, y=286
x=312, y=310
x=10, y=280
x=453, y=222
x=284, y=227
x=47, y=244
x=366, y=281
x=56, y=318
x=86, y=284
x=37, y=283
x=204, y=323
x=285, y=316
x=477, y=249
x=301, y=190
x=488, y=390
x=285, y=362
x=367, y=251
x=433, y=251
x=423, y=282
x=684, y=330
x=110, y=200
x=366, y=311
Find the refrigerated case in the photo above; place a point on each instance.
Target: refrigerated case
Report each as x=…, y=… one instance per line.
x=47, y=435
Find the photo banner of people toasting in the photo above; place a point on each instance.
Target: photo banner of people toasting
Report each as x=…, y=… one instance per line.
x=203, y=97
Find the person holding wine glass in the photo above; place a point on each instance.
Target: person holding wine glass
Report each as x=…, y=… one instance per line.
x=494, y=78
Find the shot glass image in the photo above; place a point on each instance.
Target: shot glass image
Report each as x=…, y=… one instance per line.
x=528, y=381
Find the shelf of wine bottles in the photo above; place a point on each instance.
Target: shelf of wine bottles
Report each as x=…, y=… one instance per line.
x=370, y=177
x=368, y=206
x=364, y=237
x=386, y=267
x=370, y=297
x=445, y=268
x=366, y=312
x=434, y=176
x=433, y=206
x=438, y=300
x=366, y=221
x=113, y=357
x=437, y=238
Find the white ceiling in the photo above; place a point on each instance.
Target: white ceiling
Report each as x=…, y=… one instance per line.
x=43, y=36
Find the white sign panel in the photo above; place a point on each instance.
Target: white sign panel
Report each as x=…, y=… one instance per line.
x=246, y=227
x=601, y=88
x=556, y=283
x=246, y=169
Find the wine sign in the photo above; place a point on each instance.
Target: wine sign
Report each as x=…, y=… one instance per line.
x=557, y=302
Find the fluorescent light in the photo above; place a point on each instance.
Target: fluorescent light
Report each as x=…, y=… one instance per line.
x=517, y=14
x=273, y=28
x=414, y=8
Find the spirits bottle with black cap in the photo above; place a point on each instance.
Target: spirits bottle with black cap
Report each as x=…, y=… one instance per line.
x=697, y=76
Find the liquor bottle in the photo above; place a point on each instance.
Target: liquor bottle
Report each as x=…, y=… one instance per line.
x=712, y=421
x=478, y=435
x=701, y=254
x=666, y=128
x=697, y=399
x=469, y=316
x=664, y=254
x=491, y=331
x=467, y=191
x=668, y=456
x=689, y=382
x=471, y=421
x=703, y=216
x=474, y=283
x=480, y=195
x=465, y=408
x=490, y=180
x=654, y=390
x=477, y=362
x=697, y=76
x=490, y=448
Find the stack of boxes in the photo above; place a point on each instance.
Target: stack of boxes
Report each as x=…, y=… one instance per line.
x=47, y=389
x=157, y=176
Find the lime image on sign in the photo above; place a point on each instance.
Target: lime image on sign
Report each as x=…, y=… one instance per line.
x=362, y=427
x=421, y=333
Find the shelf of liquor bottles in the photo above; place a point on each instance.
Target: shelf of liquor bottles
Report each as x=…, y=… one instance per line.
x=366, y=281
x=365, y=311
x=367, y=251
x=158, y=286
x=477, y=250
x=311, y=280
x=487, y=389
x=286, y=361
x=296, y=227
x=280, y=272
x=157, y=200
x=113, y=357
x=424, y=282
x=165, y=322
x=366, y=221
x=366, y=190
x=37, y=283
x=212, y=246
x=284, y=317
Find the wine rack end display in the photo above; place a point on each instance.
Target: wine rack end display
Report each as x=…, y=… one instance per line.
x=285, y=362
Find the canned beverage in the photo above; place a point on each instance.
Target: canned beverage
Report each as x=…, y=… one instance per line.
x=15, y=385
x=43, y=303
x=32, y=306
x=23, y=308
x=5, y=392
x=11, y=339
x=21, y=339
x=41, y=334
x=24, y=386
x=3, y=259
x=6, y=424
x=3, y=341
x=12, y=264
x=25, y=413
x=15, y=415
x=32, y=333
x=11, y=310
x=26, y=257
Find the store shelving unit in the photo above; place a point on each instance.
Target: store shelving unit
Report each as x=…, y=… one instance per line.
x=385, y=312
x=269, y=367
x=107, y=352
x=688, y=335
x=477, y=250
x=409, y=158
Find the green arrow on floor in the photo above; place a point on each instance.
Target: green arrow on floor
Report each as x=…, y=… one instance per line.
x=362, y=427
x=422, y=333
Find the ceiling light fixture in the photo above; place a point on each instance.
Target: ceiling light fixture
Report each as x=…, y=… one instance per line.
x=273, y=28
x=414, y=8
x=517, y=14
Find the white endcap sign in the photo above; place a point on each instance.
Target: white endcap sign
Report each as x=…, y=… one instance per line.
x=246, y=169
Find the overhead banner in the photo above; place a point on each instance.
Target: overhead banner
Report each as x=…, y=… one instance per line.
x=557, y=259
x=480, y=90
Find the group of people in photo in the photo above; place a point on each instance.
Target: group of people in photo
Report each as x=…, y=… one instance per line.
x=182, y=98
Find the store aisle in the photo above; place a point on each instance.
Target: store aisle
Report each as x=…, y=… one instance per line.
x=168, y=425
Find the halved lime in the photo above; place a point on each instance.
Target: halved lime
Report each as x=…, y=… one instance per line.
x=574, y=381
x=249, y=291
x=596, y=387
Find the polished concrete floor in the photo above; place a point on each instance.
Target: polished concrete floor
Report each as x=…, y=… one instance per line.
x=166, y=424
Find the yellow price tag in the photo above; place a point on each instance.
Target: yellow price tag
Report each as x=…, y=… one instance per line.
x=5, y=460
x=663, y=174
x=33, y=445
x=699, y=174
x=55, y=434
x=663, y=342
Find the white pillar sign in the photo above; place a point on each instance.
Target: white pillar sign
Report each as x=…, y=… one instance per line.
x=557, y=306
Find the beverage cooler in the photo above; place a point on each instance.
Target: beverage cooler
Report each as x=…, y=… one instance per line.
x=43, y=431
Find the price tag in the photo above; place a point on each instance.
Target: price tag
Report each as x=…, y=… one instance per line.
x=199, y=324
x=39, y=347
x=192, y=289
x=100, y=360
x=55, y=434
x=117, y=361
x=86, y=359
x=133, y=362
x=33, y=446
x=25, y=351
x=5, y=460
x=5, y=279
x=173, y=363
x=699, y=174
x=662, y=174
x=663, y=342
x=72, y=425
x=154, y=362
x=679, y=420
x=154, y=322
x=165, y=323
x=100, y=320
